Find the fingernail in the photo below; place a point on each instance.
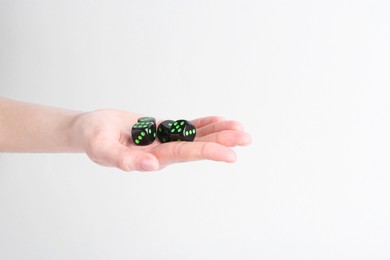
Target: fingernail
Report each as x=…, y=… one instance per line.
x=149, y=165
x=231, y=157
x=246, y=140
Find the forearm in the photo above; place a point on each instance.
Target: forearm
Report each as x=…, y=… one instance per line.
x=26, y=127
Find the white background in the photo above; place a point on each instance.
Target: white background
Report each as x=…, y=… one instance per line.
x=309, y=80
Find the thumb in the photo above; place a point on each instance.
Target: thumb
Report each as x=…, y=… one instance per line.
x=120, y=156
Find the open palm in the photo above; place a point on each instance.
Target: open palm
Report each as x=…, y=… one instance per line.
x=106, y=138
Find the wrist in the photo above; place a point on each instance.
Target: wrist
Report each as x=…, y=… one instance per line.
x=75, y=132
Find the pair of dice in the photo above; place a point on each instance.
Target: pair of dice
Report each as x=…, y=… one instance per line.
x=144, y=132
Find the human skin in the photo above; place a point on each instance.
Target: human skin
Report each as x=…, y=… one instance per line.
x=105, y=136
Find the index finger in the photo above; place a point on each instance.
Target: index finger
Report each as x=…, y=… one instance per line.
x=177, y=152
x=203, y=121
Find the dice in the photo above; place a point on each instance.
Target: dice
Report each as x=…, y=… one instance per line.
x=144, y=131
x=182, y=130
x=163, y=131
x=147, y=119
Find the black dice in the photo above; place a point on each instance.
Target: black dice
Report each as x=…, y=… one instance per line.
x=147, y=119
x=143, y=132
x=163, y=131
x=182, y=130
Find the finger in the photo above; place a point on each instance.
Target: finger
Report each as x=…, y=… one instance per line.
x=112, y=153
x=228, y=138
x=219, y=126
x=192, y=151
x=203, y=121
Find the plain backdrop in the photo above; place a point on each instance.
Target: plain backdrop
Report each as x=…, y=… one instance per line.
x=308, y=79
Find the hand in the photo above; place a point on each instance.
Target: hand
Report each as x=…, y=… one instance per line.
x=105, y=136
